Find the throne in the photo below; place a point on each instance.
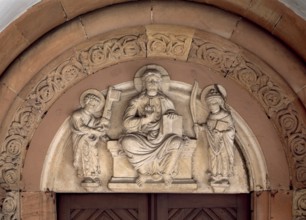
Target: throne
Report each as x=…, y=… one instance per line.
x=124, y=175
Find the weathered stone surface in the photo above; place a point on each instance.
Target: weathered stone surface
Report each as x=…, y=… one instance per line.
x=272, y=52
x=281, y=204
x=286, y=125
x=40, y=19
x=102, y=21
x=202, y=18
x=7, y=97
x=12, y=43
x=76, y=7
x=37, y=205
x=27, y=66
x=168, y=41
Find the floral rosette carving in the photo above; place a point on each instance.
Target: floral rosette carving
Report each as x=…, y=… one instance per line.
x=109, y=51
x=10, y=206
x=167, y=44
x=55, y=81
x=248, y=75
x=234, y=65
x=294, y=133
x=288, y=121
x=208, y=53
x=301, y=172
x=28, y=116
x=214, y=56
x=271, y=97
x=298, y=144
x=299, y=205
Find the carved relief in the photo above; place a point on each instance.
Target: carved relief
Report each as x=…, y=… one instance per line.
x=151, y=150
x=220, y=133
x=271, y=96
x=166, y=42
x=295, y=136
x=27, y=117
x=299, y=205
x=153, y=139
x=230, y=64
x=89, y=126
x=109, y=51
x=10, y=206
x=87, y=130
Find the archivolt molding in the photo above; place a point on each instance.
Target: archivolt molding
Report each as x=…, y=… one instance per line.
x=114, y=50
x=299, y=205
x=276, y=103
x=232, y=62
x=10, y=206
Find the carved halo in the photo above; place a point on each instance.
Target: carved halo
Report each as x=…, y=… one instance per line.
x=94, y=92
x=164, y=74
x=208, y=88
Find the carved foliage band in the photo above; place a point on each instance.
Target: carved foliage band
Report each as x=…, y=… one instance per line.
x=275, y=101
x=10, y=206
x=28, y=116
x=299, y=205
x=113, y=50
x=160, y=44
x=168, y=42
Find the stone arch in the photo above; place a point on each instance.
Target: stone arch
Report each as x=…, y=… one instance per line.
x=35, y=97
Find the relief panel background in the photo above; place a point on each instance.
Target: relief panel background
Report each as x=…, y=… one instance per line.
x=94, y=82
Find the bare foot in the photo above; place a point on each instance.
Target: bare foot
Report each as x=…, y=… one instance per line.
x=168, y=179
x=141, y=180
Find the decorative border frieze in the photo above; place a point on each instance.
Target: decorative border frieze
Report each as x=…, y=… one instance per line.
x=156, y=42
x=28, y=116
x=45, y=92
x=276, y=103
x=299, y=205
x=114, y=50
x=10, y=206
x=169, y=41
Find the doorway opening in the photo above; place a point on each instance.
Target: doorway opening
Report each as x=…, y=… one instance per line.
x=141, y=206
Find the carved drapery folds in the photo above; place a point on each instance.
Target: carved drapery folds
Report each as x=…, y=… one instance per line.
x=220, y=134
x=152, y=150
x=159, y=41
x=89, y=126
x=277, y=104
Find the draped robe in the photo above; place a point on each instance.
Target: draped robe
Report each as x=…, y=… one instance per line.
x=149, y=151
x=86, y=160
x=220, y=135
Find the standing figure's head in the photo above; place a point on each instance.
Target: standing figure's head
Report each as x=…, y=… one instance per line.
x=151, y=81
x=91, y=102
x=215, y=100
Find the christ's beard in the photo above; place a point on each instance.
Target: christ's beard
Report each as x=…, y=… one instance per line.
x=152, y=92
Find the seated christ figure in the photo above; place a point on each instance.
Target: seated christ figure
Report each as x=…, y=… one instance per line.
x=153, y=153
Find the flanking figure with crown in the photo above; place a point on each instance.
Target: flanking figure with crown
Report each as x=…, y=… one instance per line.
x=220, y=133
